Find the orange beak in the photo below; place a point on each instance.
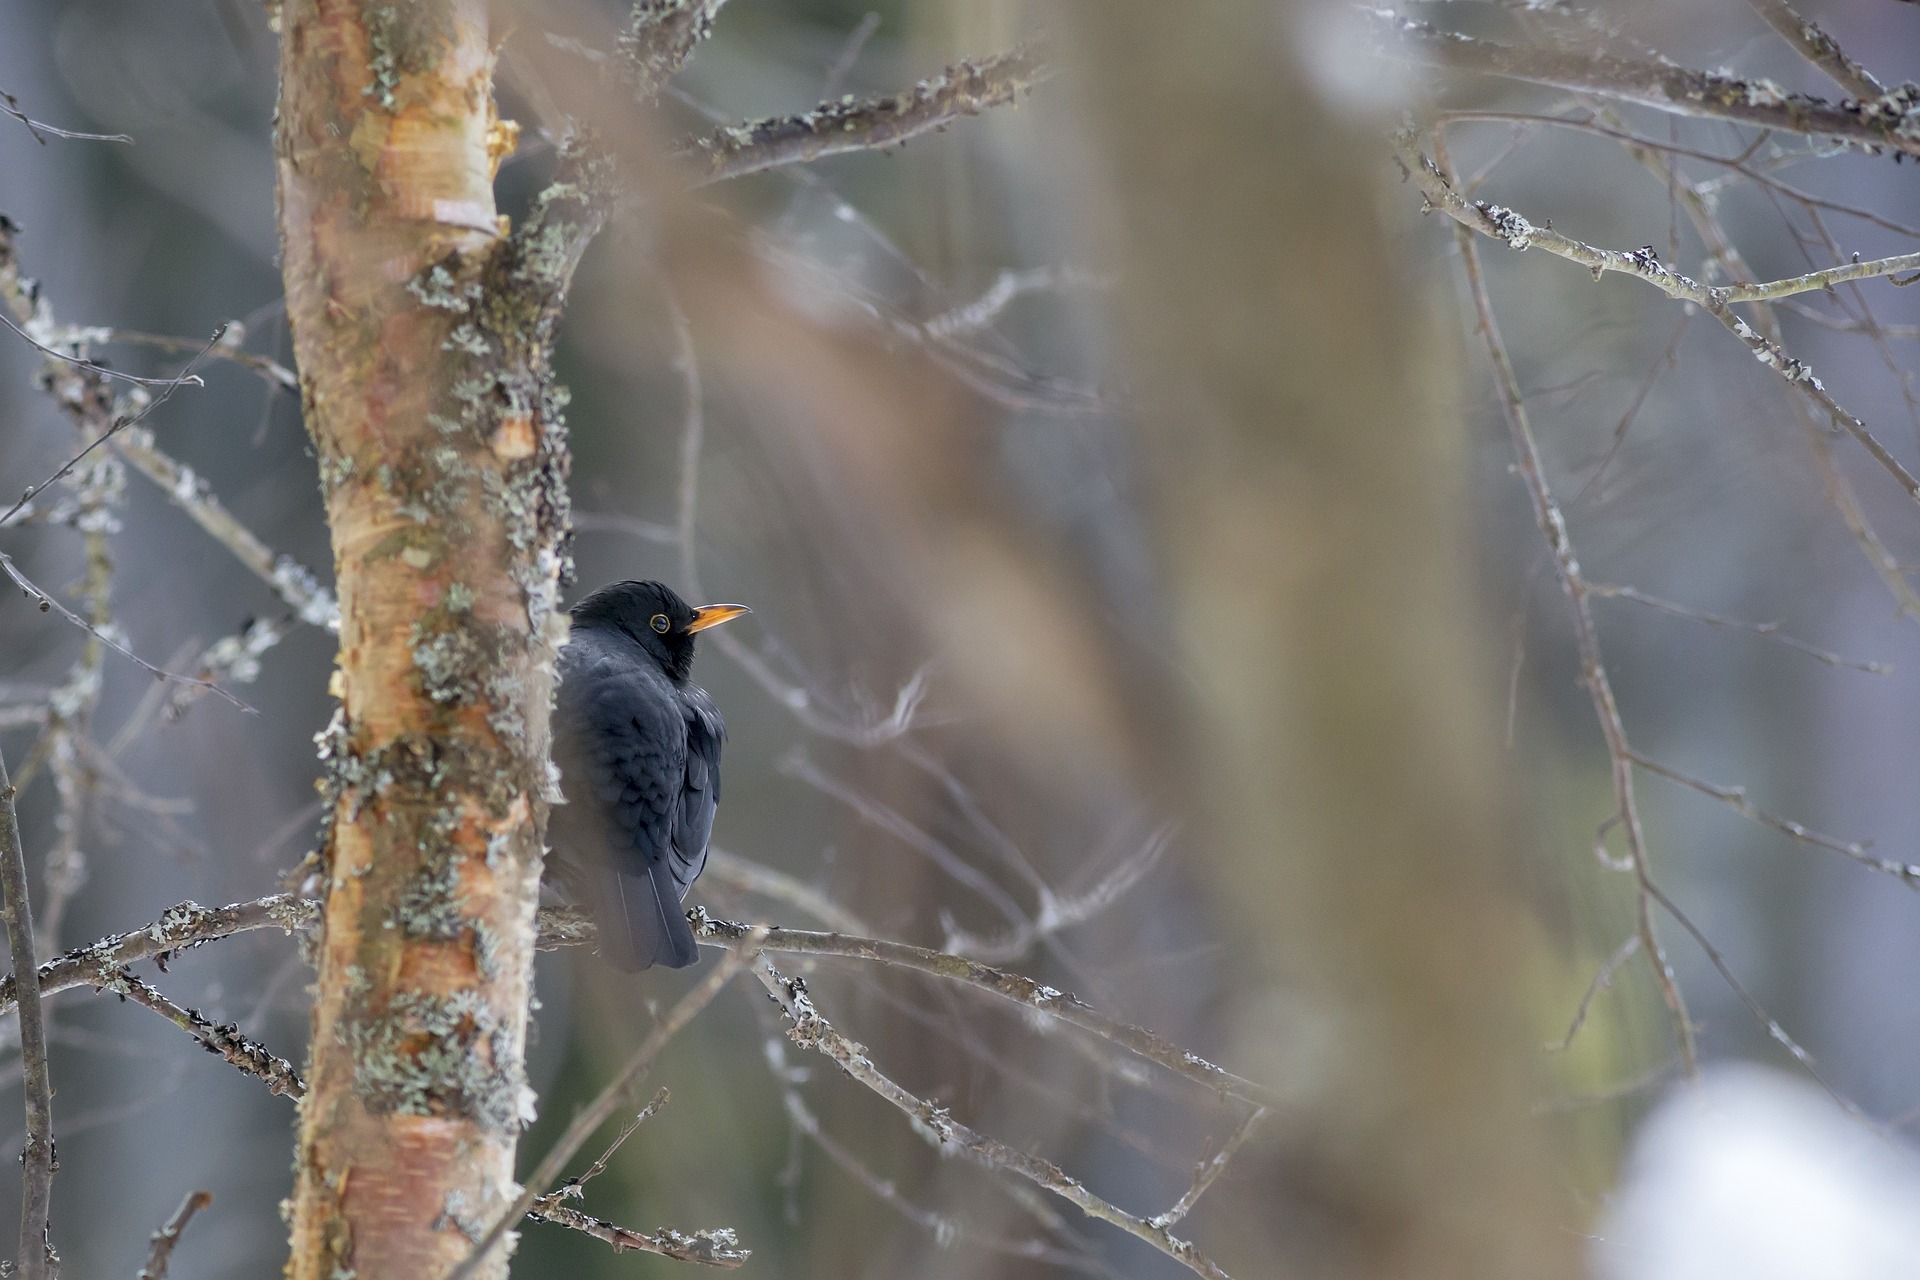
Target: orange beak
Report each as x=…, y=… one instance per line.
x=715, y=614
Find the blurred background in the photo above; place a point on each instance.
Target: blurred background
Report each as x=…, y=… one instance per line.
x=921, y=753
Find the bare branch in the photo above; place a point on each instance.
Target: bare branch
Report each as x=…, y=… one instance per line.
x=811, y=1031
x=47, y=602
x=752, y=877
x=228, y=348
x=40, y=129
x=609, y=1100
x=660, y=37
x=1209, y=1171
x=36, y=1258
x=946, y=1231
x=1008, y=986
x=834, y=128
x=99, y=370
x=293, y=582
x=797, y=765
x=221, y=1038
x=599, y=1166
x=1735, y=798
x=1765, y=630
x=613, y=522
x=1819, y=48
x=1602, y=979
x=1760, y=1015
x=1593, y=670
x=1880, y=123
x=178, y=929
x=93, y=414
x=1518, y=233
x=1839, y=490
x=161, y=1251
x=1637, y=144
x=714, y=1248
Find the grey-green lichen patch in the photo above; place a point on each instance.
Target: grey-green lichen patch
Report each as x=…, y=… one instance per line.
x=437, y=287
x=468, y=339
x=403, y=40
x=448, y=662
x=460, y=658
x=429, y=910
x=335, y=470
x=433, y=1054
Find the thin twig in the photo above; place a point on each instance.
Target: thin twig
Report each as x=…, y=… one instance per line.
x=160, y=1253
x=105, y=431
x=1602, y=979
x=572, y=1186
x=811, y=1031
x=1819, y=48
x=846, y=124
x=47, y=602
x=1007, y=286
x=98, y=369
x=36, y=1258
x=614, y=522
x=712, y=1248
x=1735, y=798
x=1593, y=670
x=1209, y=1171
x=1760, y=1015
x=1839, y=490
x=693, y=432
x=609, y=1100
x=752, y=877
x=797, y=765
x=223, y=1039
x=40, y=129
x=1518, y=233
x=1765, y=630
x=229, y=349
x=1008, y=986
x=1677, y=90
x=293, y=582
x=947, y=1232
x=1736, y=164
x=178, y=929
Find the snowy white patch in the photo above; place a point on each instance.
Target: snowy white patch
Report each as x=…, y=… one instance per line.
x=1759, y=1175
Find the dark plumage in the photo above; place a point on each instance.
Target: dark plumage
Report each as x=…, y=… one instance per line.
x=638, y=748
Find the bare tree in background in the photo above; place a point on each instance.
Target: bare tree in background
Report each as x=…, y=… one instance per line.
x=1124, y=638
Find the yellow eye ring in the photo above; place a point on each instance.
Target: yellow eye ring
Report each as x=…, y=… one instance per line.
x=659, y=622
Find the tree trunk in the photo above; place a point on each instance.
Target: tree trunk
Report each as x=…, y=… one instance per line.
x=422, y=332
x=1339, y=765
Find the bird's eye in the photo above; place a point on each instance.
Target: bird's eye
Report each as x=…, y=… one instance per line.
x=660, y=623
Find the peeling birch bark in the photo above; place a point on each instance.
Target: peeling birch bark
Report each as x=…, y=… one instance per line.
x=423, y=332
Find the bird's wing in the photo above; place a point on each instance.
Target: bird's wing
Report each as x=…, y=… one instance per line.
x=700, y=794
x=622, y=752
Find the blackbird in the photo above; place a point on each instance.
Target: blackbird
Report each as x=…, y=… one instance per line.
x=638, y=748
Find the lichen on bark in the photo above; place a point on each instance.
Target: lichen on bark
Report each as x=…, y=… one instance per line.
x=423, y=331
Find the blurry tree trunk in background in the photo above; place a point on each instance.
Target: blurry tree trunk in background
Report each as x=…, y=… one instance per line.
x=1339, y=765
x=421, y=331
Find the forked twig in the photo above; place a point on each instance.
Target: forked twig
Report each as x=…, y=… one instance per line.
x=160, y=1252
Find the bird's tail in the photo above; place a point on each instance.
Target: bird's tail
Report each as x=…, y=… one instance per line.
x=640, y=920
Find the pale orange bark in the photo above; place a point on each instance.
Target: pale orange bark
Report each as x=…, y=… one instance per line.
x=421, y=332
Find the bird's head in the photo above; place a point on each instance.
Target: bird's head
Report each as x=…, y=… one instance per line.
x=654, y=617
